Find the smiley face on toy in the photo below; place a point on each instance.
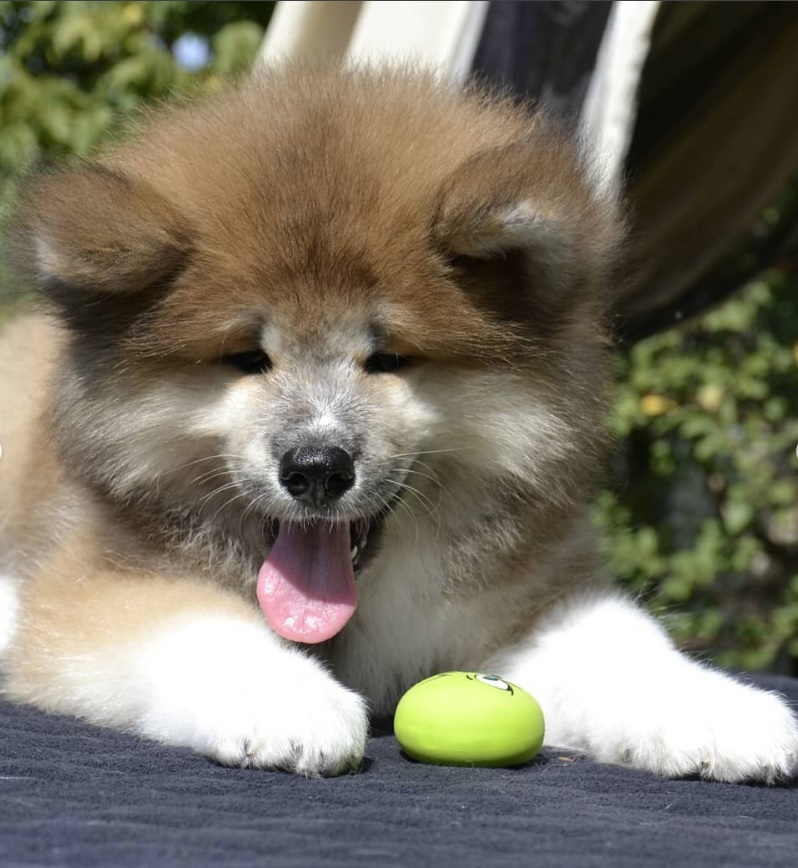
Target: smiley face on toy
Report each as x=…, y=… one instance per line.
x=469, y=719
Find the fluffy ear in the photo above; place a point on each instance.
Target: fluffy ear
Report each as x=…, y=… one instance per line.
x=494, y=230
x=527, y=198
x=94, y=232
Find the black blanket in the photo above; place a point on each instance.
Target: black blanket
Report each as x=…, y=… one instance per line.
x=71, y=794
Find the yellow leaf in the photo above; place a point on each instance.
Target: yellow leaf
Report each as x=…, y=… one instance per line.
x=656, y=405
x=710, y=397
x=133, y=13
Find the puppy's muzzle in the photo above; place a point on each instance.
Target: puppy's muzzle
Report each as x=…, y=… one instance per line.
x=317, y=475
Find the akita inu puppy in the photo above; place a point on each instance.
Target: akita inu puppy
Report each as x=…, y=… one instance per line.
x=313, y=410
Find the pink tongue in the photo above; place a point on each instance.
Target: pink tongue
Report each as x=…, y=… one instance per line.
x=306, y=587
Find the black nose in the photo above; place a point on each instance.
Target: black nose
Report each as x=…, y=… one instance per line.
x=317, y=474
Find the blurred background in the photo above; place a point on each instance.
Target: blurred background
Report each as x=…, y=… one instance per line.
x=699, y=508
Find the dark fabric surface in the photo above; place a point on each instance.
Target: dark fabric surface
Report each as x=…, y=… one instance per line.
x=71, y=794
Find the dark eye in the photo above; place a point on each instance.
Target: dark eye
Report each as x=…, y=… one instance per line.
x=385, y=363
x=250, y=362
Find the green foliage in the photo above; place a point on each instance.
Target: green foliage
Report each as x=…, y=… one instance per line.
x=70, y=72
x=706, y=520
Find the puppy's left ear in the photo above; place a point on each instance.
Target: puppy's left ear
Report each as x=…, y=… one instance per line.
x=531, y=197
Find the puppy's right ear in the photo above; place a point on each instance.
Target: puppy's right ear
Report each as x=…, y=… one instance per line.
x=93, y=232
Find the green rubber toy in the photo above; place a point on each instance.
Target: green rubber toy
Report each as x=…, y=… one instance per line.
x=469, y=719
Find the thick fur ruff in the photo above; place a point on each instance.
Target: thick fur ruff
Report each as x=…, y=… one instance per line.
x=368, y=260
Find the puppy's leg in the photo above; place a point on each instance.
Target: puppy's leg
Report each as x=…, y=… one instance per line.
x=612, y=684
x=184, y=663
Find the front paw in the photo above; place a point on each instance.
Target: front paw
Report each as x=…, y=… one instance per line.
x=245, y=701
x=612, y=684
x=310, y=727
x=712, y=727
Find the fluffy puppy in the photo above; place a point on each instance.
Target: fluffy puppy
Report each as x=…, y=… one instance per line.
x=315, y=412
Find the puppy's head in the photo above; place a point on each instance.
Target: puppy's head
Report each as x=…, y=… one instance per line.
x=323, y=298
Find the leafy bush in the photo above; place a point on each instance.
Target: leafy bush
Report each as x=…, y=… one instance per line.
x=705, y=522
x=69, y=72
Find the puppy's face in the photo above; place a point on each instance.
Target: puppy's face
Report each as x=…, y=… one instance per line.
x=325, y=297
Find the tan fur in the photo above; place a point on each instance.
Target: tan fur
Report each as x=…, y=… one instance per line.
x=29, y=470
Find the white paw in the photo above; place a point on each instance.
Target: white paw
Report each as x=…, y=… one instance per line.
x=611, y=684
x=713, y=727
x=227, y=689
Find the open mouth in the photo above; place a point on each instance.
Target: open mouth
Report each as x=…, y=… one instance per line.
x=362, y=531
x=307, y=586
